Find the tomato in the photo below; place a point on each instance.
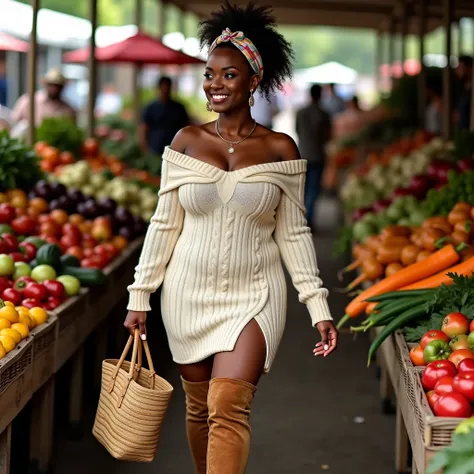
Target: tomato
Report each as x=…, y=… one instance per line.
x=28, y=250
x=90, y=147
x=433, y=335
x=459, y=342
x=71, y=284
x=40, y=147
x=17, y=256
x=7, y=213
x=119, y=242
x=444, y=385
x=49, y=228
x=52, y=303
x=453, y=405
x=463, y=383
x=36, y=291
x=432, y=398
x=88, y=242
x=103, y=254
x=68, y=241
x=455, y=324
x=43, y=272
x=71, y=229
x=434, y=371
x=436, y=350
x=30, y=303
x=101, y=232
x=59, y=216
x=22, y=282
x=459, y=355
x=13, y=295
x=66, y=158
x=51, y=155
x=39, y=204
x=11, y=242
x=76, y=219
x=91, y=262
x=111, y=250
x=4, y=284
x=470, y=340
x=76, y=251
x=416, y=356
x=54, y=288
x=466, y=365
x=44, y=218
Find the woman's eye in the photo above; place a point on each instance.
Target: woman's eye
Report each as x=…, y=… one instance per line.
x=230, y=75
x=207, y=75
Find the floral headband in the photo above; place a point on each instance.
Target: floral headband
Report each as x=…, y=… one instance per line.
x=246, y=46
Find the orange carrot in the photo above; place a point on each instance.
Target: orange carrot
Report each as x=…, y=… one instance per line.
x=465, y=268
x=370, y=308
x=438, y=261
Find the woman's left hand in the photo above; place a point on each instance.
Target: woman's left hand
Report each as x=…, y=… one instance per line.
x=329, y=336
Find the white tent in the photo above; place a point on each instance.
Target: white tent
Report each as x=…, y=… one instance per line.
x=332, y=72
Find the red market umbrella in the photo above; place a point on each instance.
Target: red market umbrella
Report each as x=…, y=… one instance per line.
x=138, y=49
x=9, y=43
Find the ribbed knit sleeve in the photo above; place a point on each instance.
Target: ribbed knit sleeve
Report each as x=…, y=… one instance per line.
x=163, y=232
x=295, y=242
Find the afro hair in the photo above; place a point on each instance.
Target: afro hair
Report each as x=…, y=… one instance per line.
x=259, y=25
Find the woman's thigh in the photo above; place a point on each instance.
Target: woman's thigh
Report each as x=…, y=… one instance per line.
x=247, y=360
x=198, y=372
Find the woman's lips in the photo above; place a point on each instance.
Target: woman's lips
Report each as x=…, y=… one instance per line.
x=219, y=98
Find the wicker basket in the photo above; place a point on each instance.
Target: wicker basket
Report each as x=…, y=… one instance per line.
x=132, y=406
x=402, y=352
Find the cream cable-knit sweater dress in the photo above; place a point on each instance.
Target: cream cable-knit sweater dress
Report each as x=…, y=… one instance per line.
x=215, y=242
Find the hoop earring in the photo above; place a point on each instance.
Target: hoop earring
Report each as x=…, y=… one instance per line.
x=209, y=106
x=251, y=99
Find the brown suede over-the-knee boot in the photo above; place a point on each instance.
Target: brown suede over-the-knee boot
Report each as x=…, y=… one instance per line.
x=229, y=430
x=197, y=427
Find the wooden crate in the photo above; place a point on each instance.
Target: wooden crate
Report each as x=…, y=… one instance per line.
x=72, y=326
x=45, y=339
x=402, y=351
x=16, y=375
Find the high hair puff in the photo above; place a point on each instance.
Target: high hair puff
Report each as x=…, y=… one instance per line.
x=259, y=25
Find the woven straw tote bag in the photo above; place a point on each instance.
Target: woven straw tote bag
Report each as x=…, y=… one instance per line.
x=132, y=405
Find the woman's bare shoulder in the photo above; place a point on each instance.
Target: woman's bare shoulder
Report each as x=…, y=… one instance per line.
x=188, y=135
x=284, y=146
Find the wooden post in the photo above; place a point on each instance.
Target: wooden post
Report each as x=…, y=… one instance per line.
x=163, y=19
x=32, y=71
x=391, y=47
x=378, y=58
x=5, y=449
x=448, y=7
x=101, y=346
x=76, y=395
x=42, y=427
x=402, y=443
x=404, y=32
x=182, y=24
x=92, y=70
x=137, y=68
x=422, y=76
x=460, y=37
x=472, y=106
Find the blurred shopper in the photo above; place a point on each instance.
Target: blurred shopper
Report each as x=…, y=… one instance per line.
x=313, y=126
x=331, y=102
x=109, y=101
x=433, y=113
x=3, y=83
x=48, y=101
x=161, y=120
x=463, y=109
x=263, y=110
x=350, y=121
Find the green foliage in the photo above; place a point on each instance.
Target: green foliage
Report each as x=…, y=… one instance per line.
x=343, y=243
x=61, y=133
x=19, y=165
x=463, y=144
x=458, y=297
x=456, y=458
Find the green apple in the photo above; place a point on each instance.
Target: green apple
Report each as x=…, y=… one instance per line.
x=21, y=269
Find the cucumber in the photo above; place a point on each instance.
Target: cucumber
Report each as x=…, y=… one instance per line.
x=36, y=241
x=70, y=261
x=49, y=254
x=87, y=276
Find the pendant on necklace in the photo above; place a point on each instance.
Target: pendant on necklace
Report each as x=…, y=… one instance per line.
x=231, y=149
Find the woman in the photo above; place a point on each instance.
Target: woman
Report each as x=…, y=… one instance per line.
x=231, y=203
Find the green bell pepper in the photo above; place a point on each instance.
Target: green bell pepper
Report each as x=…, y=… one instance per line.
x=436, y=350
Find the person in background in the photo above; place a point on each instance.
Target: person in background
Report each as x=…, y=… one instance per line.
x=433, y=114
x=463, y=109
x=48, y=101
x=313, y=126
x=331, y=102
x=348, y=122
x=161, y=120
x=3, y=83
x=109, y=101
x=263, y=110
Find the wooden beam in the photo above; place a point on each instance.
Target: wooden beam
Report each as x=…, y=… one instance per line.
x=32, y=72
x=379, y=56
x=422, y=76
x=472, y=105
x=92, y=70
x=404, y=34
x=137, y=68
x=447, y=73
x=391, y=46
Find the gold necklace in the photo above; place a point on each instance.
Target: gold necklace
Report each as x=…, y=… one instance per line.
x=232, y=144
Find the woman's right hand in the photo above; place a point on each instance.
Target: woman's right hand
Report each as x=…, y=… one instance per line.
x=134, y=320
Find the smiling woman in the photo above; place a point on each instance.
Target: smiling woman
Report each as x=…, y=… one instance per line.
x=230, y=209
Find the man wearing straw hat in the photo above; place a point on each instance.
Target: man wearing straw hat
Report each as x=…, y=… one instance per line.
x=48, y=101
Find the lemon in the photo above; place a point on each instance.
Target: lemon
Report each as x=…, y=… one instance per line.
x=13, y=333
x=38, y=314
x=3, y=352
x=7, y=342
x=4, y=323
x=26, y=319
x=22, y=329
x=9, y=303
x=9, y=313
x=21, y=308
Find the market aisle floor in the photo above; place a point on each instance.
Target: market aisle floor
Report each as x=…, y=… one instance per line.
x=304, y=415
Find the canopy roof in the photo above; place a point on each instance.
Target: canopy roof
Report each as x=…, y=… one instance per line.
x=331, y=72
x=139, y=49
x=345, y=13
x=9, y=43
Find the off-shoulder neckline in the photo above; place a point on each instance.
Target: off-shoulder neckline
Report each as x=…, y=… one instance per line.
x=289, y=166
